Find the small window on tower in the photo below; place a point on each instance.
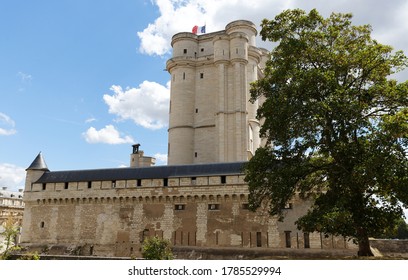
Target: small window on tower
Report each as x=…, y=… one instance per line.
x=66, y=186
x=89, y=185
x=139, y=182
x=223, y=179
x=179, y=207
x=201, y=75
x=202, y=49
x=185, y=51
x=213, y=207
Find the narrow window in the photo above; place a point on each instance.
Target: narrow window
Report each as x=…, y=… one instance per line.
x=89, y=185
x=287, y=238
x=184, y=75
x=223, y=179
x=139, y=182
x=165, y=182
x=195, y=154
x=196, y=110
x=258, y=239
x=43, y=186
x=236, y=50
x=306, y=239
x=185, y=51
x=66, y=186
x=193, y=180
x=113, y=184
x=201, y=75
x=42, y=224
x=202, y=49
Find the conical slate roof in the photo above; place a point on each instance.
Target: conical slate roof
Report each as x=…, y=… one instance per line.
x=38, y=164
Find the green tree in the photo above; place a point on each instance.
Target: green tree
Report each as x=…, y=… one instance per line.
x=336, y=126
x=155, y=248
x=400, y=231
x=11, y=229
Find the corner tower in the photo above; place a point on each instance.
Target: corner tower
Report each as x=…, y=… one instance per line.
x=211, y=118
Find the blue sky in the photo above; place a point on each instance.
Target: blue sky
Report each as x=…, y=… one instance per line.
x=81, y=80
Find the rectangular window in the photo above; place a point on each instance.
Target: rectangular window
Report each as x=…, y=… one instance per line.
x=139, y=182
x=179, y=207
x=165, y=182
x=195, y=154
x=306, y=239
x=89, y=185
x=185, y=51
x=43, y=186
x=223, y=179
x=202, y=49
x=113, y=184
x=288, y=206
x=288, y=239
x=193, y=180
x=184, y=75
x=213, y=207
x=258, y=239
x=201, y=75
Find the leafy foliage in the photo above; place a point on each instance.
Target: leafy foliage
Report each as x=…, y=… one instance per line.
x=336, y=126
x=11, y=229
x=154, y=248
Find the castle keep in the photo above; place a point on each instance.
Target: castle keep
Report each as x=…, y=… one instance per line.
x=200, y=198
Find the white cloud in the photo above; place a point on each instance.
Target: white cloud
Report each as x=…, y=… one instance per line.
x=161, y=159
x=8, y=125
x=89, y=120
x=387, y=18
x=25, y=78
x=107, y=135
x=147, y=105
x=11, y=176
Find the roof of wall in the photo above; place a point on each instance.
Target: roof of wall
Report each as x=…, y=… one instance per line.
x=154, y=172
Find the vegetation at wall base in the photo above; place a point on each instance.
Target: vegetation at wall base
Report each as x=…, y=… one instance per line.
x=155, y=248
x=11, y=229
x=336, y=127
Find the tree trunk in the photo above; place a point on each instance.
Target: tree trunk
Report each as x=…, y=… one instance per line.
x=364, y=247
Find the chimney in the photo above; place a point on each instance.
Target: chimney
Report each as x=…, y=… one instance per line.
x=137, y=158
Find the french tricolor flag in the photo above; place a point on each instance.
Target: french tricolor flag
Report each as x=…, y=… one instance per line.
x=198, y=29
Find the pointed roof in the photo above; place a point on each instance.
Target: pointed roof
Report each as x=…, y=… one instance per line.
x=38, y=164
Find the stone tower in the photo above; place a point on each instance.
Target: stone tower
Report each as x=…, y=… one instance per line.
x=211, y=118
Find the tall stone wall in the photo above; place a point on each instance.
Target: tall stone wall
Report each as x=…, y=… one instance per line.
x=113, y=220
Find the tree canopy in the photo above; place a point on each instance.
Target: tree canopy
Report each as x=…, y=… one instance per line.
x=155, y=248
x=336, y=126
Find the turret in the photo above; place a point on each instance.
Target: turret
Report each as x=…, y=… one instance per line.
x=36, y=169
